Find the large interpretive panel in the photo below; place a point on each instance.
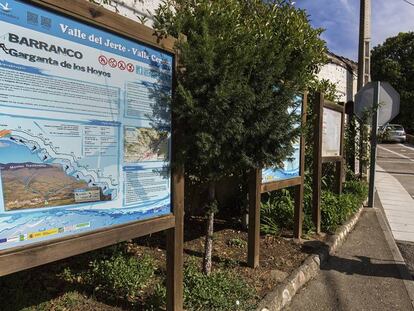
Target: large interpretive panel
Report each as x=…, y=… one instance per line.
x=84, y=127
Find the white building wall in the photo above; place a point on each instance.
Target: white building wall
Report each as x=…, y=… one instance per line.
x=133, y=9
x=345, y=81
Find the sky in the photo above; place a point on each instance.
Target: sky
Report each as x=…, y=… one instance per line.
x=340, y=19
x=13, y=153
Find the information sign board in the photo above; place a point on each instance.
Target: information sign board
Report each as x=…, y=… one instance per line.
x=331, y=133
x=79, y=148
x=290, y=168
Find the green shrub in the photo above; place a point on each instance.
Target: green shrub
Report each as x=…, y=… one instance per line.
x=357, y=188
x=337, y=209
x=118, y=276
x=156, y=301
x=219, y=291
x=330, y=211
x=122, y=275
x=277, y=213
x=308, y=226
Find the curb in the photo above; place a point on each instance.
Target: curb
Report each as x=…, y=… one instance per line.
x=283, y=293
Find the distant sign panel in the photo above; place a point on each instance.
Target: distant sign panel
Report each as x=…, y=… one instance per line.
x=290, y=167
x=77, y=148
x=331, y=133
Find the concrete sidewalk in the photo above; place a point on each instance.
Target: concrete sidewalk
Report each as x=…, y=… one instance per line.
x=398, y=205
x=367, y=273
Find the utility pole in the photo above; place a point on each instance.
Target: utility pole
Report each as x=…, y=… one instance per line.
x=364, y=67
x=364, y=52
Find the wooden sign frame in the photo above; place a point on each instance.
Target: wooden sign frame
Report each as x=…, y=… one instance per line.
x=256, y=188
x=21, y=258
x=319, y=160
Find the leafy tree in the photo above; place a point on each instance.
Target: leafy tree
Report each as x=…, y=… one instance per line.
x=241, y=64
x=393, y=61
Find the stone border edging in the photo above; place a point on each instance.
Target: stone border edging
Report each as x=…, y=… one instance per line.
x=283, y=293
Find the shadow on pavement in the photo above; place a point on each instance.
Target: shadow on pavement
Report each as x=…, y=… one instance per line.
x=359, y=265
x=364, y=266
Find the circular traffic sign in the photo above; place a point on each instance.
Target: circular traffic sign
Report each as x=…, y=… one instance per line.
x=103, y=60
x=112, y=62
x=130, y=67
x=121, y=65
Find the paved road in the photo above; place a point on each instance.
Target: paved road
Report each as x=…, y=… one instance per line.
x=397, y=161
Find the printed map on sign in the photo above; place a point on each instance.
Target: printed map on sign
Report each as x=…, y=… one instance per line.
x=39, y=171
x=290, y=167
x=145, y=144
x=79, y=150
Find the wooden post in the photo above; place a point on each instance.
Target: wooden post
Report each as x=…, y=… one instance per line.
x=317, y=161
x=255, y=182
x=299, y=189
x=175, y=241
x=175, y=236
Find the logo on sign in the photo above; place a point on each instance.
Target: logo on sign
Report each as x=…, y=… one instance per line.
x=121, y=65
x=103, y=60
x=112, y=62
x=5, y=7
x=130, y=67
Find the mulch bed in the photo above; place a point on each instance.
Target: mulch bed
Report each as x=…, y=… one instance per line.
x=279, y=255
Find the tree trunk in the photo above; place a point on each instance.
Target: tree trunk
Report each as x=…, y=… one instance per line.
x=208, y=247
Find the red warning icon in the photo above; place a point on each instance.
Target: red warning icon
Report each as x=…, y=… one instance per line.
x=130, y=67
x=103, y=60
x=121, y=65
x=112, y=62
